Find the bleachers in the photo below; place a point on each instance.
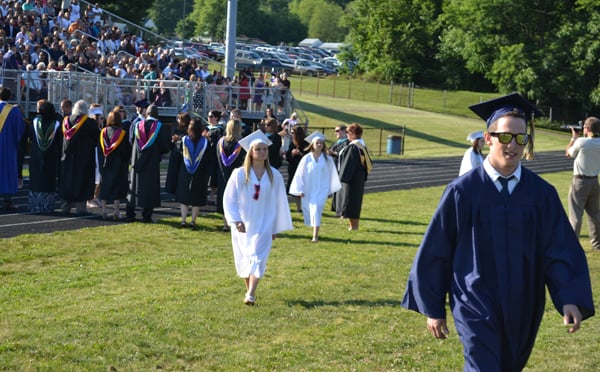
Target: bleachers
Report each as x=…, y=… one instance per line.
x=118, y=77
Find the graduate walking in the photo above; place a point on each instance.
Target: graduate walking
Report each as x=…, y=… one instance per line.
x=498, y=239
x=256, y=207
x=315, y=179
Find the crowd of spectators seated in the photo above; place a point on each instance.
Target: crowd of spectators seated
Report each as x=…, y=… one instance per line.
x=40, y=36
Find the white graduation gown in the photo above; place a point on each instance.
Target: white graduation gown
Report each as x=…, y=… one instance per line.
x=316, y=179
x=263, y=217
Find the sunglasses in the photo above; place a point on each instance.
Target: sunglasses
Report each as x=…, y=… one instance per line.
x=506, y=138
x=256, y=192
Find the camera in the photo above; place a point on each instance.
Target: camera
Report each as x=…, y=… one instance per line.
x=577, y=127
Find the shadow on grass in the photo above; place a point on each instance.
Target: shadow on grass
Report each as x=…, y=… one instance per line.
x=367, y=303
x=369, y=122
x=344, y=241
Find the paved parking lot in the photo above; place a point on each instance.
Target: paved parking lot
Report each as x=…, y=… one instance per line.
x=387, y=175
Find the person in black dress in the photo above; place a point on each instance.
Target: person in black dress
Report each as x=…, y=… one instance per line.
x=293, y=155
x=183, y=122
x=45, y=139
x=355, y=165
x=113, y=158
x=192, y=175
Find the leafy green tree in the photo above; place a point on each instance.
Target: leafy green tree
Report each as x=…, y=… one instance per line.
x=547, y=50
x=166, y=14
x=267, y=20
x=394, y=39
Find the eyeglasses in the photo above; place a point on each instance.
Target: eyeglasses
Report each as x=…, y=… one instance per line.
x=505, y=138
x=256, y=192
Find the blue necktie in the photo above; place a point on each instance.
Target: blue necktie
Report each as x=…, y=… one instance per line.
x=504, y=191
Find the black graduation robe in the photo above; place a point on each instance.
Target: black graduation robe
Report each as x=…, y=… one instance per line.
x=144, y=174
x=494, y=259
x=192, y=188
x=174, y=160
x=44, y=164
x=114, y=169
x=227, y=161
x=353, y=176
x=78, y=163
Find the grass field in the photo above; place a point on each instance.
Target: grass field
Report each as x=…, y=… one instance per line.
x=139, y=297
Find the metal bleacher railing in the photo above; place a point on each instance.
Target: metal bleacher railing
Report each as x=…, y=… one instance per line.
x=183, y=96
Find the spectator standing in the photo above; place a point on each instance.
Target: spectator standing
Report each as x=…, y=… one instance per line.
x=498, y=238
x=12, y=127
x=45, y=139
x=151, y=141
x=355, y=166
x=473, y=157
x=78, y=160
x=256, y=208
x=97, y=13
x=584, y=193
x=315, y=179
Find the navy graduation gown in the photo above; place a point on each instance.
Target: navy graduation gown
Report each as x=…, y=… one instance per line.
x=494, y=259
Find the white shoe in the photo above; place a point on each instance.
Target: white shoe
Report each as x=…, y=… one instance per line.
x=249, y=300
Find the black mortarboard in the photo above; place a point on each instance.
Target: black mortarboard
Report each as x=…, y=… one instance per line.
x=495, y=108
x=143, y=103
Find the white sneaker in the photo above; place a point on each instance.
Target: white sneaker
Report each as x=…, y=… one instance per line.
x=249, y=300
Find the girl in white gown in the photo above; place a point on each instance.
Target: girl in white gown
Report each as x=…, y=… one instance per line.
x=315, y=179
x=256, y=207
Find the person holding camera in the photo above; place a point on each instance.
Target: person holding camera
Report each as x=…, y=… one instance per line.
x=584, y=193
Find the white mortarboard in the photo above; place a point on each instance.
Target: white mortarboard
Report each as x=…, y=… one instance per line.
x=474, y=135
x=96, y=111
x=253, y=138
x=316, y=135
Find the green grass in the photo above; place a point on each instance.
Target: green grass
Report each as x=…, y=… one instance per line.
x=138, y=297
x=427, y=134
x=433, y=100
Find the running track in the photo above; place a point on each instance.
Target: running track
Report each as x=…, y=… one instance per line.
x=387, y=175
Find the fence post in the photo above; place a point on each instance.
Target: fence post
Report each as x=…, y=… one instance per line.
x=364, y=88
x=317, y=83
x=349, y=87
x=391, y=91
x=380, y=139
x=377, y=95
x=445, y=96
x=334, y=81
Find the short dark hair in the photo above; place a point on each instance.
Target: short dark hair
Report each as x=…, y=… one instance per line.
x=4, y=93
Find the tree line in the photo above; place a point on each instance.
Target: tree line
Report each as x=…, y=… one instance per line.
x=548, y=50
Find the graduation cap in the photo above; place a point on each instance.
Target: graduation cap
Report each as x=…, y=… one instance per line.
x=143, y=103
x=254, y=138
x=314, y=136
x=96, y=110
x=495, y=108
x=475, y=135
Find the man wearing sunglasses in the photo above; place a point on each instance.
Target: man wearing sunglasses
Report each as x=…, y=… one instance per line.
x=584, y=193
x=497, y=240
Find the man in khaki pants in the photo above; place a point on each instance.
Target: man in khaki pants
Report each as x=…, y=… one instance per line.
x=584, y=193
